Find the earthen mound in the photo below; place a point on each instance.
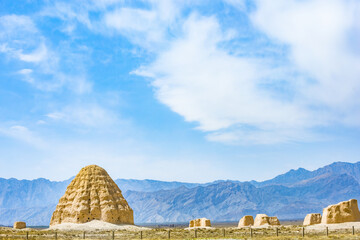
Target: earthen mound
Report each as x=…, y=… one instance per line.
x=92, y=195
x=346, y=211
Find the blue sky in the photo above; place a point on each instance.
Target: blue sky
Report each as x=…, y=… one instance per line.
x=177, y=89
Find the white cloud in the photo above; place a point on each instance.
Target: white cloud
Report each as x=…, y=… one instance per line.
x=12, y=24
x=131, y=19
x=89, y=115
x=70, y=14
x=205, y=84
x=145, y=27
x=25, y=71
x=239, y=4
x=321, y=40
x=38, y=55
x=226, y=92
x=271, y=135
x=134, y=22
x=40, y=122
x=23, y=134
x=20, y=40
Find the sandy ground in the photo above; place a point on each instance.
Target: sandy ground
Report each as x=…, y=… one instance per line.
x=95, y=225
x=264, y=226
x=334, y=226
x=267, y=226
x=13, y=229
x=192, y=228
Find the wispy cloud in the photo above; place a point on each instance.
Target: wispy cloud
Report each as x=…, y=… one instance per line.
x=322, y=46
x=231, y=96
x=204, y=83
x=21, y=41
x=234, y=95
x=239, y=4
x=70, y=14
x=38, y=55
x=88, y=115
x=249, y=72
x=23, y=134
x=145, y=27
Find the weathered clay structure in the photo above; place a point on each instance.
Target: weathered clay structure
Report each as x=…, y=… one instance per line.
x=263, y=219
x=92, y=195
x=246, y=221
x=346, y=211
x=200, y=222
x=312, y=218
x=19, y=225
x=274, y=221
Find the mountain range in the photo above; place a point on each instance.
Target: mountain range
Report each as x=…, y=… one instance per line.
x=289, y=196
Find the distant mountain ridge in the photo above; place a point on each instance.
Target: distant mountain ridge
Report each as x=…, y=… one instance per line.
x=290, y=195
x=30, y=193
x=228, y=201
x=149, y=185
x=295, y=176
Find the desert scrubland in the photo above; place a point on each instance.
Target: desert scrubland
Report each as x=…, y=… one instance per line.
x=281, y=232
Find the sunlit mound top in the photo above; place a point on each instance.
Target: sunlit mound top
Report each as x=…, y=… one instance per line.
x=92, y=195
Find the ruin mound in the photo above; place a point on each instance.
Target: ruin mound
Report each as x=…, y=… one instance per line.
x=312, y=218
x=246, y=221
x=200, y=222
x=92, y=195
x=346, y=211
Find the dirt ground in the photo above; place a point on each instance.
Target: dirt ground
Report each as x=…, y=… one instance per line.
x=282, y=232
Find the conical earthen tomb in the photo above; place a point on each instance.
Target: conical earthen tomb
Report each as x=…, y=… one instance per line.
x=92, y=195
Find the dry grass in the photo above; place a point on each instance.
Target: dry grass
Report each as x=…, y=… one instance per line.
x=285, y=232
